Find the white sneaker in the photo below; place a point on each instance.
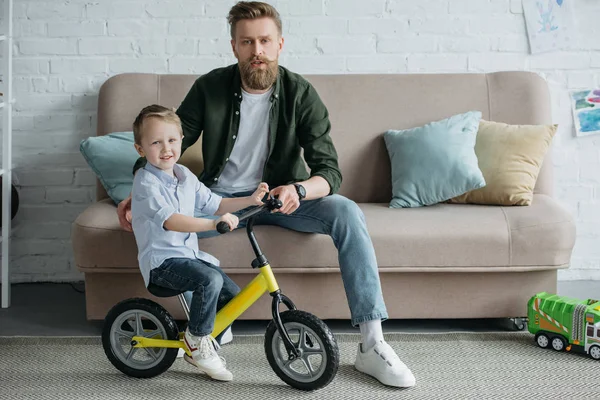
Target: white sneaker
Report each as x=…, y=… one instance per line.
x=227, y=337
x=205, y=357
x=382, y=363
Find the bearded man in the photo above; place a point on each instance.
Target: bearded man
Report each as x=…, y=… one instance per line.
x=257, y=117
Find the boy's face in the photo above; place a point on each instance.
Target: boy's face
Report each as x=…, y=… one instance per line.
x=257, y=46
x=160, y=144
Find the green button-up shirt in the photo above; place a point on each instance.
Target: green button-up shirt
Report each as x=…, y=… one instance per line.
x=298, y=120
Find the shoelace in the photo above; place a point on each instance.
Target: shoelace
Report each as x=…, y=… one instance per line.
x=208, y=347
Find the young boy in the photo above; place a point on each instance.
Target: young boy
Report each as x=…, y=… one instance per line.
x=164, y=197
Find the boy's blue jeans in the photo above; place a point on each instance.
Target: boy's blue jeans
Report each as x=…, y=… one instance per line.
x=343, y=220
x=210, y=289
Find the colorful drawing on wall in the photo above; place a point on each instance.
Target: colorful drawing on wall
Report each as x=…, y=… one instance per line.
x=586, y=111
x=550, y=24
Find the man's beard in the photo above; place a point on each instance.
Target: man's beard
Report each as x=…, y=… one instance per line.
x=258, y=78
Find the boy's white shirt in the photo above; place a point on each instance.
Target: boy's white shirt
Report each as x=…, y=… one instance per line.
x=155, y=197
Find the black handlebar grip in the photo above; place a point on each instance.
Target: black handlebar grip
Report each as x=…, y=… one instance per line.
x=222, y=227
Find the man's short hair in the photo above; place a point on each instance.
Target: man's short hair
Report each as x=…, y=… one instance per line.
x=154, y=111
x=252, y=10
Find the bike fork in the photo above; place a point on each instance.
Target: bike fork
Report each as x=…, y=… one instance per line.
x=279, y=298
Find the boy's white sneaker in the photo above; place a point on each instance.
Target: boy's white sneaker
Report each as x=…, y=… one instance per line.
x=226, y=338
x=382, y=363
x=205, y=356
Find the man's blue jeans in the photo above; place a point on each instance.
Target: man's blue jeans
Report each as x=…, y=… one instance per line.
x=343, y=220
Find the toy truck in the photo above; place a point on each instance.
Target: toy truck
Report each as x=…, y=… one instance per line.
x=564, y=323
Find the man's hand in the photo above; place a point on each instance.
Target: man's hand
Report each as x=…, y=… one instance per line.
x=289, y=198
x=259, y=194
x=124, y=213
x=230, y=219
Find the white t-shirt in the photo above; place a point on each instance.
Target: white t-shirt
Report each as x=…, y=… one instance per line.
x=244, y=169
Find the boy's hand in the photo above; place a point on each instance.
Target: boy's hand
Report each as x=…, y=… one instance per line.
x=230, y=219
x=259, y=194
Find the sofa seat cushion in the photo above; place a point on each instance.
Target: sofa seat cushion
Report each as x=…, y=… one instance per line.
x=456, y=237
x=442, y=237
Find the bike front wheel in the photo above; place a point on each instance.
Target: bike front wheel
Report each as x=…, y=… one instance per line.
x=318, y=359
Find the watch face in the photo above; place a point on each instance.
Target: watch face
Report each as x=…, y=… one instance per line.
x=301, y=191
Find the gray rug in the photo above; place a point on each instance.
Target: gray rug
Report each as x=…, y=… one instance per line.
x=447, y=366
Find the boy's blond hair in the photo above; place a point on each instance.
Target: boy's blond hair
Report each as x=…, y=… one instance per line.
x=154, y=111
x=252, y=10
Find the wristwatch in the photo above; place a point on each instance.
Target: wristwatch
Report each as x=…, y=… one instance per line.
x=300, y=190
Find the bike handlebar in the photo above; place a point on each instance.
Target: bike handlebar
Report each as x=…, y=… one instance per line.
x=272, y=203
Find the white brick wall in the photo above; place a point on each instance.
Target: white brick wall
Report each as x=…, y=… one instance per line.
x=64, y=50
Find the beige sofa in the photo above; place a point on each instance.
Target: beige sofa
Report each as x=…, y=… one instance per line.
x=442, y=261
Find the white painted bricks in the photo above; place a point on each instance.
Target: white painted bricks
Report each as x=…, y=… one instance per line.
x=64, y=50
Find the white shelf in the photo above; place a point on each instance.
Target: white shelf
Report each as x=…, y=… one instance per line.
x=6, y=69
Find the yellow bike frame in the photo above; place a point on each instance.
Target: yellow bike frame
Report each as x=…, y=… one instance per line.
x=264, y=281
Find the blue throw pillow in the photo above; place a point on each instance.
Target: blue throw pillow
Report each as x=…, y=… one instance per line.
x=112, y=157
x=435, y=162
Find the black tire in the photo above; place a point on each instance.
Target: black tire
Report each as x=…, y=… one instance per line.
x=300, y=324
x=150, y=316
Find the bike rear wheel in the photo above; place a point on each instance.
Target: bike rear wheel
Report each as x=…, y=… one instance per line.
x=319, y=358
x=139, y=317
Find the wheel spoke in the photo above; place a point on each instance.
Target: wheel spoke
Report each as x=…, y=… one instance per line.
x=139, y=329
x=288, y=362
x=131, y=324
x=131, y=353
x=151, y=353
x=302, y=338
x=308, y=366
x=123, y=333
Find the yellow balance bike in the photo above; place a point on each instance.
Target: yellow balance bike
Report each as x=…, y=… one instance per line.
x=141, y=339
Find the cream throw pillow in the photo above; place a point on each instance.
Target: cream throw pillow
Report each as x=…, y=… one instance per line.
x=510, y=158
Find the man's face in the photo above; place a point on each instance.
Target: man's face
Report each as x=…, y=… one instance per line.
x=257, y=45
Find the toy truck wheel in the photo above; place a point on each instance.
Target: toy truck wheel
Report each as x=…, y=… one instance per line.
x=595, y=352
x=542, y=340
x=558, y=343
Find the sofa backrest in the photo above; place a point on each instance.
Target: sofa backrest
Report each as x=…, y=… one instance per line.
x=362, y=108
